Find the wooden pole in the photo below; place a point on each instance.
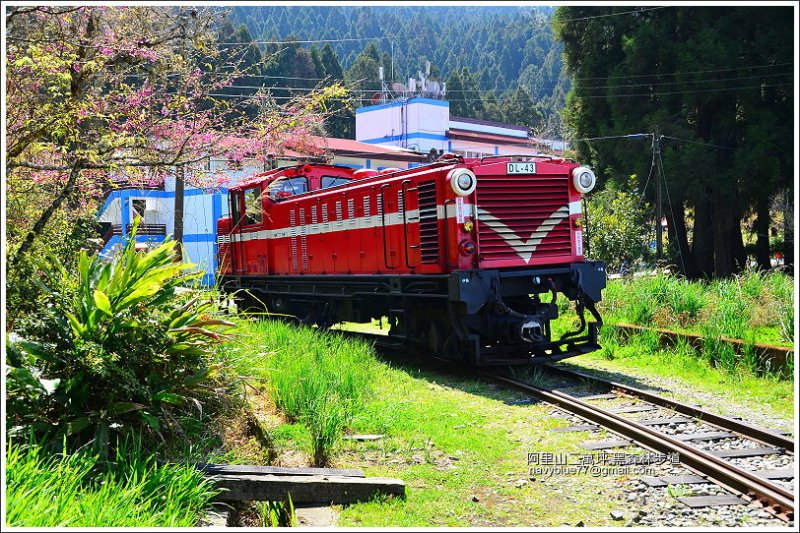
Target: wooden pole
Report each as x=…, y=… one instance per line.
x=178, y=226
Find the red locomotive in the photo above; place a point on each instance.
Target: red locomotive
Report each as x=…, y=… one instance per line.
x=463, y=256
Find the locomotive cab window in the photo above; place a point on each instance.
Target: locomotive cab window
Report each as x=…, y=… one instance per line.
x=288, y=187
x=252, y=206
x=334, y=181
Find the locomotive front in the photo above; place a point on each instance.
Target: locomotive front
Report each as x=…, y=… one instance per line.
x=521, y=231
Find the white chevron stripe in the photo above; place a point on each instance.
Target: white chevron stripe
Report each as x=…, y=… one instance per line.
x=524, y=249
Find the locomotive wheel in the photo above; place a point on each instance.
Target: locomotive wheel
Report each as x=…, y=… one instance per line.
x=434, y=338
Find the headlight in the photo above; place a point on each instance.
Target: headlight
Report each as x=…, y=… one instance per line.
x=583, y=179
x=462, y=181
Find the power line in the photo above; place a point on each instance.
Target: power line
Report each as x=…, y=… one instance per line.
x=615, y=14
x=750, y=67
x=628, y=136
x=538, y=92
x=698, y=142
x=310, y=41
x=671, y=210
x=681, y=82
x=687, y=92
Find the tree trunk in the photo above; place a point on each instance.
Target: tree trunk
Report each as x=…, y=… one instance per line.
x=680, y=238
x=762, y=232
x=737, y=245
x=722, y=227
x=703, y=238
x=44, y=218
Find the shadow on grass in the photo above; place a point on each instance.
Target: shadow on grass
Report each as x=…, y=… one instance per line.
x=417, y=364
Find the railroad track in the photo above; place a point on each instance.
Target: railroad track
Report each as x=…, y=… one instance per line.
x=716, y=466
x=712, y=466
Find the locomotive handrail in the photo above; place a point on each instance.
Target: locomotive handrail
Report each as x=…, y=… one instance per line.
x=405, y=223
x=512, y=156
x=447, y=236
x=383, y=224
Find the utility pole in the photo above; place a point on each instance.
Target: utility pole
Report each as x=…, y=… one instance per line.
x=657, y=161
x=178, y=225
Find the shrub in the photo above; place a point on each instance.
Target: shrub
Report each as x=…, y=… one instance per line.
x=118, y=351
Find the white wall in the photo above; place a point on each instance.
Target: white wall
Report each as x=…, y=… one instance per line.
x=422, y=117
x=198, y=213
x=113, y=213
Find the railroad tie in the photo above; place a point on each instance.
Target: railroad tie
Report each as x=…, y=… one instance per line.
x=663, y=481
x=777, y=473
x=606, y=396
x=583, y=427
x=663, y=421
x=711, y=501
x=633, y=409
x=745, y=452
x=606, y=444
x=711, y=435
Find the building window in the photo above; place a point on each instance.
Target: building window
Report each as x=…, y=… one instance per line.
x=138, y=208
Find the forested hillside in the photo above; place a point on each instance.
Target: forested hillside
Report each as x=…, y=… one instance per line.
x=500, y=63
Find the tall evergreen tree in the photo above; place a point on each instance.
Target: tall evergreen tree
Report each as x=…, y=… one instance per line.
x=712, y=92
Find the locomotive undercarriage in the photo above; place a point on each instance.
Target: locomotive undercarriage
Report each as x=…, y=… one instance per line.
x=480, y=317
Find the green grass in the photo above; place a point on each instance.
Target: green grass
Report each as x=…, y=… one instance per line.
x=754, y=306
x=77, y=490
x=321, y=380
x=722, y=375
x=449, y=437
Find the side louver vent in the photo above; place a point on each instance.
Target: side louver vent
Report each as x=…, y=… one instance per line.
x=428, y=223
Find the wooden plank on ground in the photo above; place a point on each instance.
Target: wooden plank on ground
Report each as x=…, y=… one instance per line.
x=215, y=469
x=330, y=490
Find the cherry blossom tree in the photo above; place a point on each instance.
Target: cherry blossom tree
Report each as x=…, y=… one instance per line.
x=96, y=94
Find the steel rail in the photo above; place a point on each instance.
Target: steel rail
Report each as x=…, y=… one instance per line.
x=770, y=495
x=743, y=428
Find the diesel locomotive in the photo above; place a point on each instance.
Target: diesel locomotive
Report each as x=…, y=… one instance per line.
x=464, y=257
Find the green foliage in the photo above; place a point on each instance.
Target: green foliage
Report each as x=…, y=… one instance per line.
x=319, y=379
x=754, y=307
x=118, y=350
x=78, y=490
x=506, y=60
x=714, y=99
x=277, y=514
x=618, y=227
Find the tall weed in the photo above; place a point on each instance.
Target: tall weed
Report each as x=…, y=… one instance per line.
x=78, y=490
x=319, y=379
